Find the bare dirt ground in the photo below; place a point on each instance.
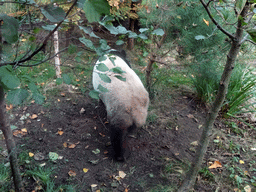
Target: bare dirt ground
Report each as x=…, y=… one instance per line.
x=81, y=139
x=74, y=127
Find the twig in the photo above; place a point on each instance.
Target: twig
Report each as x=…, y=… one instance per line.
x=215, y=22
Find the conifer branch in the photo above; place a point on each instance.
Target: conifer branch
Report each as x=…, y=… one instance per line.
x=215, y=22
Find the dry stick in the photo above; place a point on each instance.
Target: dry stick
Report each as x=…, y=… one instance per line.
x=5, y=127
x=190, y=178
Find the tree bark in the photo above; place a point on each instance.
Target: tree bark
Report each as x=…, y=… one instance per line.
x=11, y=147
x=57, y=57
x=149, y=69
x=190, y=178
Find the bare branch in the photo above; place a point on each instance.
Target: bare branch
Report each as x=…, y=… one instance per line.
x=215, y=22
x=49, y=58
x=250, y=41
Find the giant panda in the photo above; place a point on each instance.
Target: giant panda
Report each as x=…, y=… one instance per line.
x=126, y=101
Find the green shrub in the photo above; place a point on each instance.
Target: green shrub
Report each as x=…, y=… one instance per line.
x=241, y=89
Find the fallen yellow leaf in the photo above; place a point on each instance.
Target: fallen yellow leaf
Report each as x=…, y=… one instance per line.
x=72, y=173
x=18, y=133
x=34, y=116
x=206, y=22
x=24, y=130
x=85, y=170
x=71, y=146
x=31, y=154
x=9, y=107
x=60, y=132
x=122, y=174
x=215, y=165
x=65, y=145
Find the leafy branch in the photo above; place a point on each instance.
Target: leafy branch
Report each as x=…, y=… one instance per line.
x=18, y=63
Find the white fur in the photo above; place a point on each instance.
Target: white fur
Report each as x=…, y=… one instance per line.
x=126, y=101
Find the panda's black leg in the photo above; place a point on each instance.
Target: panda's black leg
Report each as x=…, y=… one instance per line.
x=117, y=141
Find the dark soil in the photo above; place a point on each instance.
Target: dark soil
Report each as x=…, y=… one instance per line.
x=86, y=132
x=149, y=147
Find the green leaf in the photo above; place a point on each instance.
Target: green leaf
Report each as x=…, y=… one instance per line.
x=159, y=32
x=117, y=70
x=102, y=89
x=119, y=42
x=120, y=78
x=9, y=80
x=59, y=81
x=102, y=58
x=112, y=59
x=28, y=2
x=66, y=79
x=38, y=97
x=17, y=96
x=143, y=29
x=94, y=94
x=32, y=87
x=239, y=6
x=48, y=27
x=80, y=3
x=102, y=67
x=88, y=43
x=142, y=36
x=121, y=30
x=9, y=28
x=199, y=37
x=252, y=33
x=132, y=35
x=105, y=78
x=13, y=127
x=95, y=8
x=96, y=151
x=104, y=45
x=53, y=156
x=89, y=31
x=54, y=14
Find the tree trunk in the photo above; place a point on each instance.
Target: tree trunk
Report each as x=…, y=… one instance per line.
x=131, y=40
x=190, y=178
x=57, y=56
x=12, y=150
x=149, y=69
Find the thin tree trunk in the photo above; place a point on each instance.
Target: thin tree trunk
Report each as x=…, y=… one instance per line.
x=190, y=178
x=11, y=147
x=57, y=57
x=149, y=69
